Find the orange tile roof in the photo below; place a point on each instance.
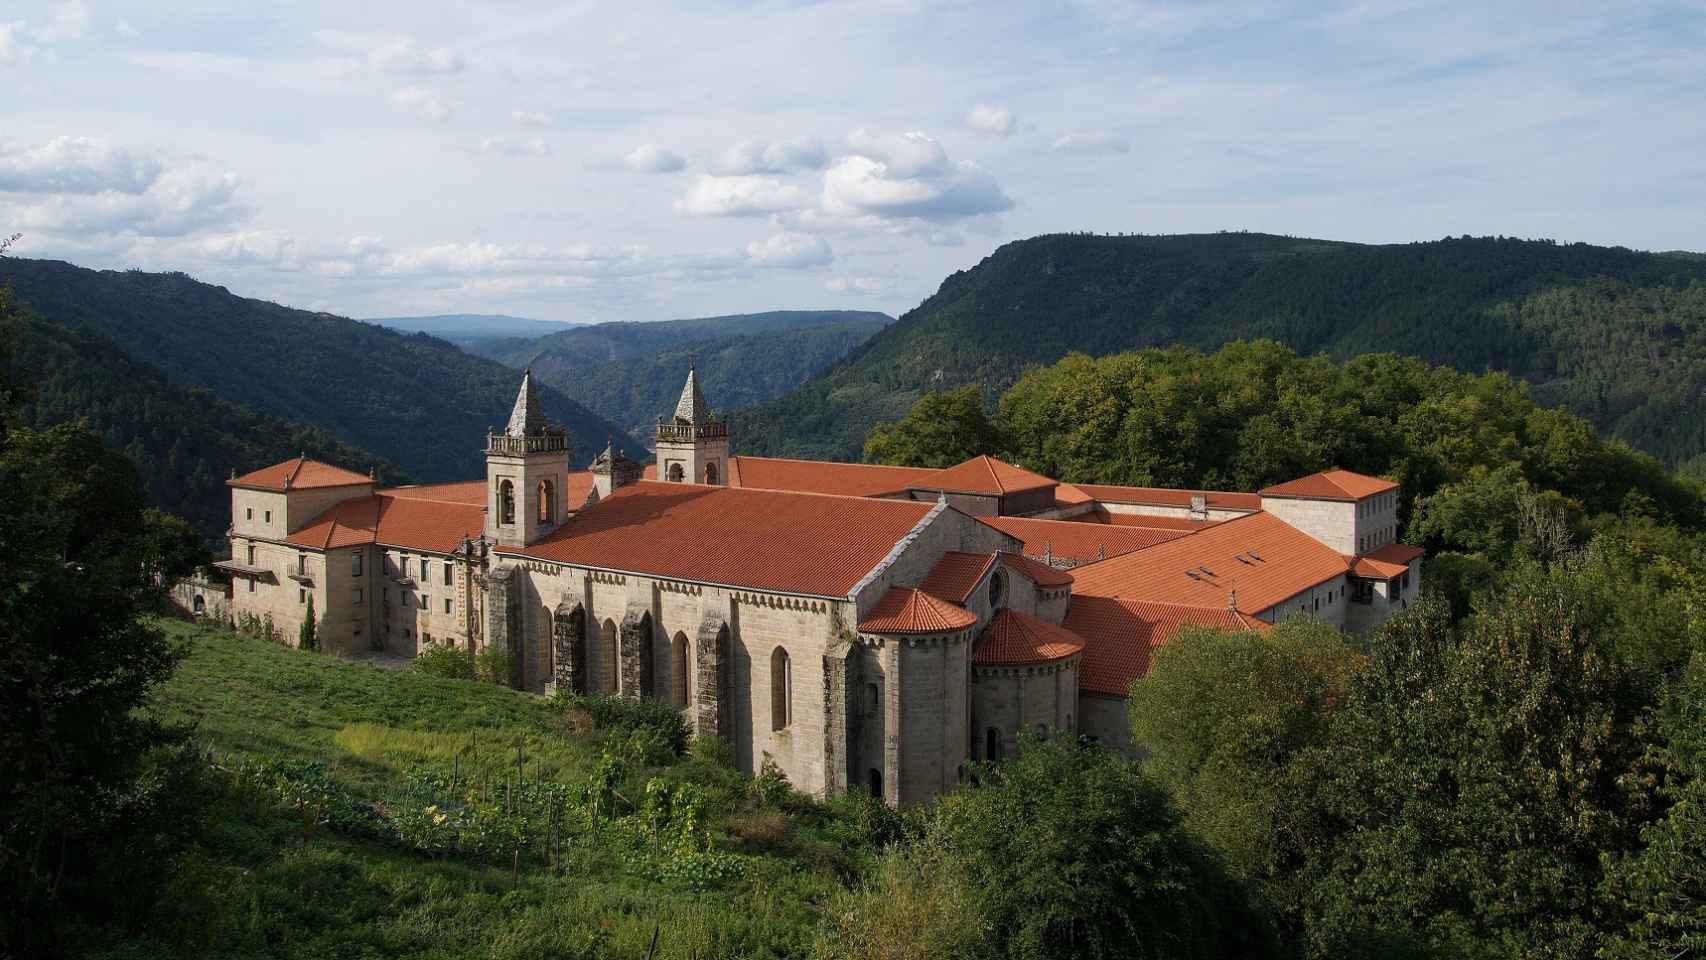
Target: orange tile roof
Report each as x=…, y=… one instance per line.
x=465, y=491
x=1070, y=495
x=298, y=473
x=1168, y=497
x=1080, y=542
x=907, y=610
x=1263, y=558
x=821, y=476
x=1015, y=639
x=760, y=539
x=413, y=523
x=983, y=474
x=956, y=575
x=1331, y=485
x=1041, y=574
x=1387, y=562
x=1121, y=636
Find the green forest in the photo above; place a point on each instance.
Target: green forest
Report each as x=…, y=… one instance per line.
x=411, y=399
x=1612, y=334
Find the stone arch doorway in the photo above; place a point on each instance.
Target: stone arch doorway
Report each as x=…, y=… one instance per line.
x=568, y=639
x=710, y=473
x=606, y=659
x=679, y=670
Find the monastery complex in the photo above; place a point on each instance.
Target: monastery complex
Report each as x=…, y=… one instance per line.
x=862, y=625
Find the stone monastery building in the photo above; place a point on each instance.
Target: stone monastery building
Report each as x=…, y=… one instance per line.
x=862, y=625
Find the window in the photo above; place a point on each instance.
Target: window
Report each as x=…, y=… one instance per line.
x=447, y=604
x=251, y=584
x=675, y=473
x=1362, y=591
x=873, y=700
x=402, y=598
x=547, y=502
x=301, y=595
x=249, y=513
x=426, y=570
x=355, y=564
x=710, y=473
x=992, y=744
x=302, y=564
x=1404, y=580
x=1317, y=604
x=997, y=589
x=448, y=573
x=355, y=597
x=875, y=779
x=269, y=516
x=506, y=502
x=426, y=604
x=251, y=554
x=781, y=704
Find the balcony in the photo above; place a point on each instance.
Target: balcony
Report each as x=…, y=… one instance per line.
x=689, y=432
x=551, y=441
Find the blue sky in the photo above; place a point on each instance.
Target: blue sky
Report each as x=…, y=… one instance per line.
x=634, y=160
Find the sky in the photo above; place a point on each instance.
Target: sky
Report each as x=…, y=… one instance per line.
x=590, y=161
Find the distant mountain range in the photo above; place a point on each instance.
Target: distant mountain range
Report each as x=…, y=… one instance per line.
x=632, y=372
x=467, y=327
x=193, y=381
x=1615, y=335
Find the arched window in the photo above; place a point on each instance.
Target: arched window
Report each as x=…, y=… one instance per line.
x=875, y=779
x=547, y=502
x=1042, y=730
x=710, y=473
x=200, y=604
x=675, y=474
x=873, y=700
x=1069, y=722
x=506, y=502
x=678, y=670
x=997, y=589
x=992, y=744
x=781, y=699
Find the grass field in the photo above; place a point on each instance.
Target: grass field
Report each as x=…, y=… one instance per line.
x=316, y=839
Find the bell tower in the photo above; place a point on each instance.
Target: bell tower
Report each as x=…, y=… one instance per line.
x=693, y=447
x=527, y=472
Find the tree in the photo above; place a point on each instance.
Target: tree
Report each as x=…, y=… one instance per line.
x=1224, y=716
x=1074, y=853
x=305, y=634
x=942, y=429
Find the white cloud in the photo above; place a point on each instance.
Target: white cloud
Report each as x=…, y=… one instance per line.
x=13, y=50
x=651, y=158
x=22, y=41
x=70, y=22
x=907, y=177
x=791, y=250
x=503, y=146
x=991, y=119
x=773, y=156
x=403, y=58
x=859, y=286
x=80, y=187
x=76, y=165
x=422, y=103
x=738, y=197
x=532, y=118
x=1093, y=141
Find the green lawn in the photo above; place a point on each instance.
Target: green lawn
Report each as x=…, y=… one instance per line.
x=271, y=878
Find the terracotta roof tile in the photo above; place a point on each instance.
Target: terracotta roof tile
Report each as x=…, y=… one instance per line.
x=298, y=473
x=1168, y=497
x=820, y=476
x=412, y=523
x=466, y=491
x=1041, y=574
x=1149, y=521
x=956, y=575
x=1077, y=541
x=1070, y=495
x=1387, y=562
x=1263, y=558
x=908, y=610
x=1331, y=485
x=1013, y=639
x=1120, y=636
x=984, y=475
x=761, y=539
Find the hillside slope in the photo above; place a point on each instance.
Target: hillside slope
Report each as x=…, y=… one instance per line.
x=184, y=442
x=416, y=400
x=604, y=342
x=1613, y=334
x=465, y=328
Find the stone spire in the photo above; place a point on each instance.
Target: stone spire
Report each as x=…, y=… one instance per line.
x=692, y=407
x=527, y=419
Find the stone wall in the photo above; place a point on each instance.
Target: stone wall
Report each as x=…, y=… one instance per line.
x=1327, y=602
x=1333, y=522
x=1163, y=510
x=1039, y=698
x=1106, y=719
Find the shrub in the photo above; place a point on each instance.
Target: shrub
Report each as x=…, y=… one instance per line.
x=771, y=787
x=445, y=660
x=916, y=904
x=666, y=730
x=492, y=664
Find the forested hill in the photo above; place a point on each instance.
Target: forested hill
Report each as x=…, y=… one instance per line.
x=642, y=378
x=628, y=340
x=1615, y=335
x=184, y=442
x=412, y=399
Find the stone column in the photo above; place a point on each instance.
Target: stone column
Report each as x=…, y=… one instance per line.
x=837, y=753
x=636, y=654
x=710, y=675
x=895, y=688
x=503, y=616
x=568, y=629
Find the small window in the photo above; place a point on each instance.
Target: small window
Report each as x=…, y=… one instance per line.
x=873, y=699
x=426, y=570
x=446, y=604
x=1317, y=604
x=676, y=475
x=251, y=554
x=249, y=513
x=992, y=744
x=449, y=573
x=781, y=702
x=302, y=564
x=355, y=564
x=301, y=595
x=402, y=598
x=997, y=589
x=875, y=779
x=426, y=603
x=269, y=516
x=355, y=597
x=251, y=584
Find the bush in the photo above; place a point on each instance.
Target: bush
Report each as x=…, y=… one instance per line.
x=666, y=731
x=445, y=660
x=492, y=664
